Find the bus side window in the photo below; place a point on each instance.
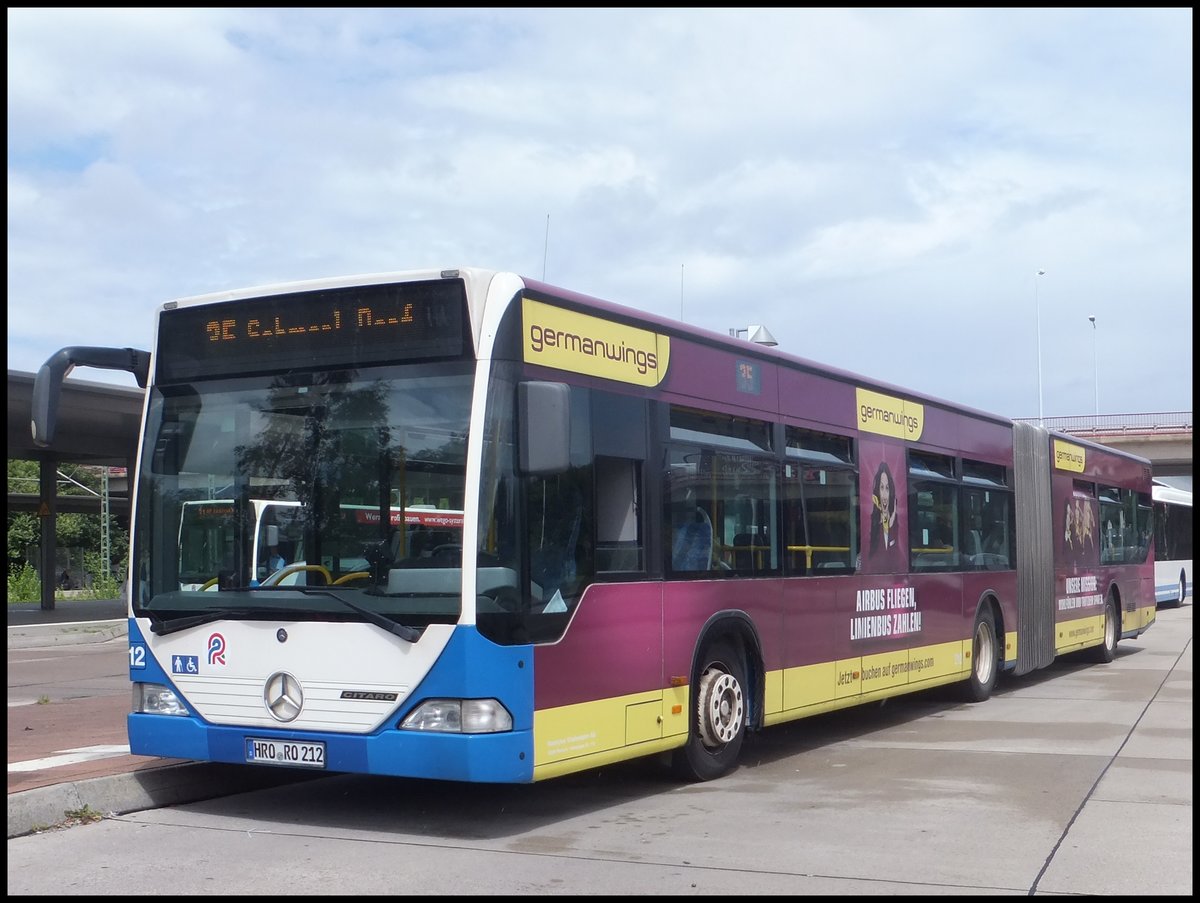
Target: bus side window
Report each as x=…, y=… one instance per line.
x=618, y=528
x=692, y=546
x=820, y=503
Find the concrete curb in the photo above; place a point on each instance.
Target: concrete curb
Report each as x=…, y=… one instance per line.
x=42, y=808
x=33, y=636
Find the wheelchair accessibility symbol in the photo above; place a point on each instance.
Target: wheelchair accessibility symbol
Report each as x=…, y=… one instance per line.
x=185, y=664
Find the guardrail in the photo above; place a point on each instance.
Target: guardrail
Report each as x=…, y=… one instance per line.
x=1162, y=423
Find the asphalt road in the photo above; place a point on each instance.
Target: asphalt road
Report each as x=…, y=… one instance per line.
x=1075, y=780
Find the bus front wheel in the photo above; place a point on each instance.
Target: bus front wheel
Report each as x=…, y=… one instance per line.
x=985, y=653
x=718, y=721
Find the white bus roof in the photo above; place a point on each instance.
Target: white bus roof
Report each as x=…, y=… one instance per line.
x=1171, y=495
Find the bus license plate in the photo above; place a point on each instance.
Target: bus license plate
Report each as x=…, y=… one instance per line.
x=285, y=752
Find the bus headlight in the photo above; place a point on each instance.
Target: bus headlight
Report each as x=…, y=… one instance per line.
x=155, y=699
x=459, y=716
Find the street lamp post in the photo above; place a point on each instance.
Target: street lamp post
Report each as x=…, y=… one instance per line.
x=1095, y=365
x=1038, y=305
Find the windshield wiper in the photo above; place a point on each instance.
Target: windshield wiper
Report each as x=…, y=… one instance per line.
x=409, y=634
x=162, y=626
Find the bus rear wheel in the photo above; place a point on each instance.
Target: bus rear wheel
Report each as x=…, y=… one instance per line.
x=1107, y=650
x=985, y=654
x=718, y=722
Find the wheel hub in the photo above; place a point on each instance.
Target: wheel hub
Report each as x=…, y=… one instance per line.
x=722, y=708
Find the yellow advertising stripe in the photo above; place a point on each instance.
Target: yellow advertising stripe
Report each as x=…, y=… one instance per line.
x=848, y=702
x=1078, y=633
x=828, y=685
x=589, y=734
x=587, y=729
x=1139, y=619
x=607, y=757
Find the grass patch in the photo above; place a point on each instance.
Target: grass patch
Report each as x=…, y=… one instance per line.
x=83, y=816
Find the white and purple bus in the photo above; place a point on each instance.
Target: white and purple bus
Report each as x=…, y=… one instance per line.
x=669, y=537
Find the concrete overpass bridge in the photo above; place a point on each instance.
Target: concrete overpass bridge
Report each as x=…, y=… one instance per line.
x=1164, y=438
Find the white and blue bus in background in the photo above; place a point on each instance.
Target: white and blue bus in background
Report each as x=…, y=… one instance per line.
x=1172, y=544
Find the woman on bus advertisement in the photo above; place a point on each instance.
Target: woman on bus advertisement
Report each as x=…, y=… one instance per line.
x=884, y=509
x=1078, y=531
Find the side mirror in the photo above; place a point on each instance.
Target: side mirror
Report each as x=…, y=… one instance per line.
x=544, y=428
x=48, y=383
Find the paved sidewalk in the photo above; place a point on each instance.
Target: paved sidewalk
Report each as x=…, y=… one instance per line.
x=66, y=733
x=31, y=614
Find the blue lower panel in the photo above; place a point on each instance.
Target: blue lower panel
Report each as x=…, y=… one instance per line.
x=469, y=667
x=494, y=758
x=1169, y=592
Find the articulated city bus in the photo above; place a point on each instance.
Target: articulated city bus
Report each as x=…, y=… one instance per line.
x=669, y=537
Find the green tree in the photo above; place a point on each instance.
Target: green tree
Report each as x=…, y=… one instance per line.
x=24, y=531
x=74, y=531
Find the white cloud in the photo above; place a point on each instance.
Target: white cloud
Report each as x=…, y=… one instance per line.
x=815, y=171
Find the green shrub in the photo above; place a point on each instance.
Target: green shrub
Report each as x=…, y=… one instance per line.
x=24, y=584
x=104, y=588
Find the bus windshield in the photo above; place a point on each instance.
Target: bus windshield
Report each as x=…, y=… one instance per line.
x=255, y=492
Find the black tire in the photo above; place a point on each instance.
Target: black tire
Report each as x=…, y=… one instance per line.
x=985, y=658
x=719, y=714
x=1111, y=628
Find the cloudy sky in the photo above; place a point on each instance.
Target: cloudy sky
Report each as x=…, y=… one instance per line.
x=879, y=188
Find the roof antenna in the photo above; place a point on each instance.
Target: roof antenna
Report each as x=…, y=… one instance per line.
x=546, y=247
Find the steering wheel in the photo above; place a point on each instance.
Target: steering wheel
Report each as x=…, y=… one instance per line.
x=506, y=597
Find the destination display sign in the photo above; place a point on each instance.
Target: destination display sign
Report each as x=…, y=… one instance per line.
x=350, y=327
